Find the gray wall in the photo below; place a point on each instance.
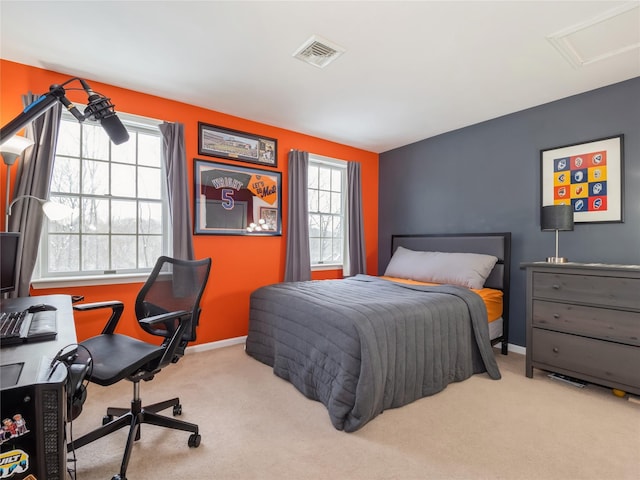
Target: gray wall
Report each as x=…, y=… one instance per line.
x=486, y=178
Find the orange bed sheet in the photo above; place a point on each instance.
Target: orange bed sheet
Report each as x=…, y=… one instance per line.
x=492, y=298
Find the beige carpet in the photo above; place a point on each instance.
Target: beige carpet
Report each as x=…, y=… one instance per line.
x=257, y=426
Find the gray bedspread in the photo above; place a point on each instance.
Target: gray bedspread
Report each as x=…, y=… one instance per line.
x=363, y=344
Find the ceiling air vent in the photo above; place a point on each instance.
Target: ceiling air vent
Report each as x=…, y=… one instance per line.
x=318, y=52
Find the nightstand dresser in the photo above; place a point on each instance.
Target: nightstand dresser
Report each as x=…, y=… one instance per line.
x=583, y=320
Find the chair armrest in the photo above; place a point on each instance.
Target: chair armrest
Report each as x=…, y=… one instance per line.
x=116, y=312
x=173, y=336
x=96, y=305
x=163, y=317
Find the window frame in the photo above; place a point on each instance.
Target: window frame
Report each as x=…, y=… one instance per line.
x=57, y=279
x=341, y=165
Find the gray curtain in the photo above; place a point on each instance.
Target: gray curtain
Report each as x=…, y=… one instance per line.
x=298, y=261
x=175, y=162
x=33, y=178
x=356, y=251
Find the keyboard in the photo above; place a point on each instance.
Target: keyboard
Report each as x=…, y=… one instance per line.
x=10, y=325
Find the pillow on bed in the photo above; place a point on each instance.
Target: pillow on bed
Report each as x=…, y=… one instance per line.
x=464, y=269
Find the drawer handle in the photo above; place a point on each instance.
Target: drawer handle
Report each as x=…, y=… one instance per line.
x=556, y=349
x=556, y=315
x=555, y=286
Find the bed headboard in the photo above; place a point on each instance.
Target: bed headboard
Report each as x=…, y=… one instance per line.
x=497, y=244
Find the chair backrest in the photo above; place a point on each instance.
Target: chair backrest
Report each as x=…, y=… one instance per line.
x=173, y=285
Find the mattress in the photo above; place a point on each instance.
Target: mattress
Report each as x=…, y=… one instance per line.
x=491, y=297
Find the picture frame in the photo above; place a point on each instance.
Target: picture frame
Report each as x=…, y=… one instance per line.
x=236, y=200
x=589, y=176
x=215, y=141
x=270, y=217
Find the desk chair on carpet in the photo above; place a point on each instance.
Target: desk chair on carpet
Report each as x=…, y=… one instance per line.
x=168, y=305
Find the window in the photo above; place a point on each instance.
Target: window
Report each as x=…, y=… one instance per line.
x=120, y=216
x=327, y=199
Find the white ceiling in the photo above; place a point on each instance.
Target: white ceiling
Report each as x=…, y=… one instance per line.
x=411, y=69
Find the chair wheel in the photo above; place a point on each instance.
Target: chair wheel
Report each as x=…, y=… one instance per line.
x=106, y=419
x=118, y=477
x=194, y=440
x=177, y=410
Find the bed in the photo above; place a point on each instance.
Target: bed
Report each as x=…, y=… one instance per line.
x=497, y=244
x=364, y=344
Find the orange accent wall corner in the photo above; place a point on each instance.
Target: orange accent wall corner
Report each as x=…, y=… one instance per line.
x=239, y=264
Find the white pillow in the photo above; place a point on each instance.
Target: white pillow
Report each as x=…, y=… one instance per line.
x=464, y=269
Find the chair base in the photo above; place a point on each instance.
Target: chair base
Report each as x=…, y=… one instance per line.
x=134, y=418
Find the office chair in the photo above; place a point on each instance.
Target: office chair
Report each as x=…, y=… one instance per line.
x=166, y=306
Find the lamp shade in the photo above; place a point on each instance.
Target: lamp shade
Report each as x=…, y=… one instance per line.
x=557, y=217
x=16, y=144
x=13, y=147
x=56, y=211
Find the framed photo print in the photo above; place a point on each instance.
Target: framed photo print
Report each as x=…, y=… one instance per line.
x=235, y=145
x=233, y=200
x=588, y=176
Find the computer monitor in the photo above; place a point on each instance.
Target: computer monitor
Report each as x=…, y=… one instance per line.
x=8, y=260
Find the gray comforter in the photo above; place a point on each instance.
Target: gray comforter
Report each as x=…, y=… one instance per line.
x=364, y=344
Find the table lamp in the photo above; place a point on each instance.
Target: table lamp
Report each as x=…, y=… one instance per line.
x=557, y=217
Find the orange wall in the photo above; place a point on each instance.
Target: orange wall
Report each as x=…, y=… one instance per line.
x=240, y=264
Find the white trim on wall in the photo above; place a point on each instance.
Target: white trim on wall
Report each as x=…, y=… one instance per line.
x=203, y=347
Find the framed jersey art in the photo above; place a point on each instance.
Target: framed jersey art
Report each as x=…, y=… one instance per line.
x=588, y=176
x=234, y=200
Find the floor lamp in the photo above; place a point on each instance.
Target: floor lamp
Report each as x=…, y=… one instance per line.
x=11, y=150
x=556, y=218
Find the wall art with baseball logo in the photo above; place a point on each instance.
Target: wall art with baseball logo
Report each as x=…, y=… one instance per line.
x=234, y=200
x=588, y=176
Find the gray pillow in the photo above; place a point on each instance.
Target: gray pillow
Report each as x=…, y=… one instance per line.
x=463, y=269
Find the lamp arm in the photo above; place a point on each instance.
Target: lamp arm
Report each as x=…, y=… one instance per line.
x=20, y=198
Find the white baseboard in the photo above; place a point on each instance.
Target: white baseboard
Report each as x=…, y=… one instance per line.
x=517, y=349
x=512, y=348
x=213, y=345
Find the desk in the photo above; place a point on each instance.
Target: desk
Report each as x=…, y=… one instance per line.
x=34, y=407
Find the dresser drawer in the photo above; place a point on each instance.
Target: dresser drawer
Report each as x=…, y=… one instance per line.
x=619, y=292
x=610, y=362
x=615, y=325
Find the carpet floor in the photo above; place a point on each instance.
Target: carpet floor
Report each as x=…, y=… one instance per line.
x=254, y=425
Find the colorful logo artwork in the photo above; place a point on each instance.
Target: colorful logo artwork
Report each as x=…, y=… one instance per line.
x=581, y=180
x=264, y=187
x=13, y=462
